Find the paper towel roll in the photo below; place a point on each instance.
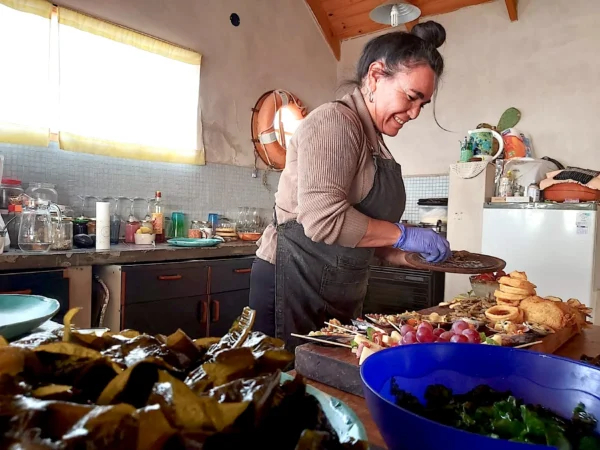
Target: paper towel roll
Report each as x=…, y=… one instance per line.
x=102, y=226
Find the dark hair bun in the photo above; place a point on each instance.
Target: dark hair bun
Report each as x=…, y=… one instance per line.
x=431, y=32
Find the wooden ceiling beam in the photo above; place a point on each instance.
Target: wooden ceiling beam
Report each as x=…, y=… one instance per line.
x=321, y=17
x=511, y=6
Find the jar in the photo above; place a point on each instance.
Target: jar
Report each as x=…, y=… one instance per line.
x=130, y=229
x=10, y=189
x=505, y=187
x=534, y=193
x=42, y=191
x=80, y=226
x=91, y=226
x=207, y=230
x=62, y=234
x=195, y=230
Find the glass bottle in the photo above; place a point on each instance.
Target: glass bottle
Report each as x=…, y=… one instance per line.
x=158, y=217
x=115, y=224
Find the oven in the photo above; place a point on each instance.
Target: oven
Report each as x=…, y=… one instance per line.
x=394, y=290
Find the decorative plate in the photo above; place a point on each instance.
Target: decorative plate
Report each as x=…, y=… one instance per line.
x=343, y=420
x=195, y=242
x=460, y=262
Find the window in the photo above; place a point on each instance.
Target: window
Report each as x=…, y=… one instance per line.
x=24, y=77
x=117, y=92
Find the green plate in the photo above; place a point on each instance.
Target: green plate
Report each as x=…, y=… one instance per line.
x=194, y=242
x=343, y=420
x=20, y=314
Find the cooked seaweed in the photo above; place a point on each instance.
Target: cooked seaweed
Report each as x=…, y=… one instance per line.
x=502, y=416
x=71, y=390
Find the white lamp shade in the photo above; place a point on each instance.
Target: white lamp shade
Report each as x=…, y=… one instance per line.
x=406, y=13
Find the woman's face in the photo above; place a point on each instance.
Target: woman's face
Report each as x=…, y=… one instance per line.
x=400, y=98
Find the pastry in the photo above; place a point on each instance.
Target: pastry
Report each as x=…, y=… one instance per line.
x=502, y=301
x=517, y=290
x=506, y=296
x=514, y=282
x=500, y=313
x=547, y=312
x=518, y=275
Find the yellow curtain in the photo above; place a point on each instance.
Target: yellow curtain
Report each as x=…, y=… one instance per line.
x=74, y=143
x=24, y=50
x=126, y=36
x=38, y=7
x=105, y=85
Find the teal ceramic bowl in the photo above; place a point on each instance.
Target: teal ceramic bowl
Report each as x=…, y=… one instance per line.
x=343, y=420
x=20, y=314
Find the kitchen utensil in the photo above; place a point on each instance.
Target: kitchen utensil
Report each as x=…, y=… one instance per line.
x=344, y=421
x=537, y=378
x=472, y=263
x=35, y=231
x=144, y=239
x=191, y=242
x=22, y=313
x=482, y=140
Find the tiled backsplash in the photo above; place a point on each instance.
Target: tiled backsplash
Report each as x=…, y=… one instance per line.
x=423, y=187
x=196, y=190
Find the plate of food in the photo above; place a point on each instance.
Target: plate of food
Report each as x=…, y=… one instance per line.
x=129, y=390
x=195, y=242
x=461, y=261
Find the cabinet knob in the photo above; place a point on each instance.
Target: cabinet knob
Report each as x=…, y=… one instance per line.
x=214, y=312
x=169, y=277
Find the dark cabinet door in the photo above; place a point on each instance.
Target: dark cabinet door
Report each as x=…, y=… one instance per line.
x=224, y=309
x=166, y=316
x=49, y=283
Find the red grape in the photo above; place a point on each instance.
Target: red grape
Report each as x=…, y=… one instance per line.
x=446, y=335
x=438, y=331
x=459, y=338
x=409, y=338
x=424, y=334
x=425, y=325
x=459, y=326
x=472, y=336
x=405, y=329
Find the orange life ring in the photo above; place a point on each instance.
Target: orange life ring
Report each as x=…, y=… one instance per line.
x=264, y=137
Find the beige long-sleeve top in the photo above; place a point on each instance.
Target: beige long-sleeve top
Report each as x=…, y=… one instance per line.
x=329, y=168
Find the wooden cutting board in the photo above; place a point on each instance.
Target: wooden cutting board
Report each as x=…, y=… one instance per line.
x=338, y=367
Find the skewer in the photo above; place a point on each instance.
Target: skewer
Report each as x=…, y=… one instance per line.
x=353, y=333
x=322, y=341
x=528, y=345
x=393, y=325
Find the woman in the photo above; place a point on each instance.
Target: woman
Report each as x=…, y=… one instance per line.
x=341, y=195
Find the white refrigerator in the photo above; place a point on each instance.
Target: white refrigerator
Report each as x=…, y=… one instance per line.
x=557, y=245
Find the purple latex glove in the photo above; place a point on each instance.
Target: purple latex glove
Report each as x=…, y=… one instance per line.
x=425, y=241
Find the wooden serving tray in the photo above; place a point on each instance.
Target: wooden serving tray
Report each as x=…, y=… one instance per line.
x=338, y=367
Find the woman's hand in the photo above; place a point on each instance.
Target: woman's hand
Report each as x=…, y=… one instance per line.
x=425, y=241
x=393, y=256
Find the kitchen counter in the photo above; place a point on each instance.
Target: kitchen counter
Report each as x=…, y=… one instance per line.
x=590, y=206
x=119, y=254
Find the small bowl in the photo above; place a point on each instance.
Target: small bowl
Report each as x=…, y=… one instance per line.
x=144, y=239
x=249, y=236
x=484, y=289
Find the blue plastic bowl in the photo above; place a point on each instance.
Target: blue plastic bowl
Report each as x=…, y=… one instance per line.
x=556, y=383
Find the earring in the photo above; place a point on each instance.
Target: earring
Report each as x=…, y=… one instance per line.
x=371, y=96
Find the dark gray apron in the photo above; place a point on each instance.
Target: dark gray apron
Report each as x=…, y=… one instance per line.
x=316, y=282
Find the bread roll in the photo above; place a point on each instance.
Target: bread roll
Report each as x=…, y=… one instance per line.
x=517, y=290
x=546, y=312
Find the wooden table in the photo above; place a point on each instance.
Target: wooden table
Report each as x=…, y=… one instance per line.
x=586, y=343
